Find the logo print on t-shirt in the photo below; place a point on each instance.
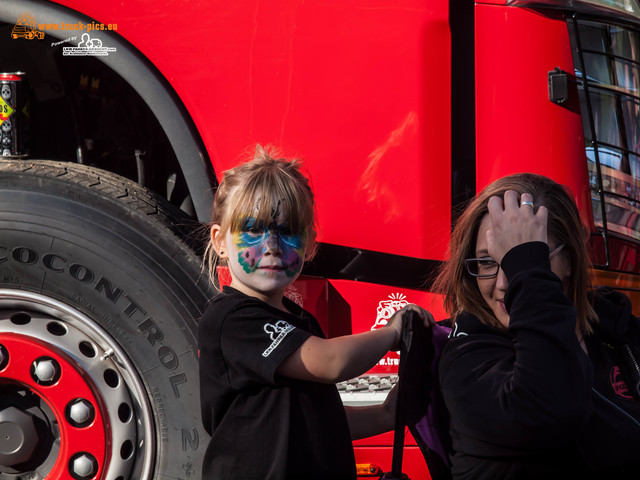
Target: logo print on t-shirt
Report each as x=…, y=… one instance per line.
x=277, y=333
x=455, y=333
x=618, y=384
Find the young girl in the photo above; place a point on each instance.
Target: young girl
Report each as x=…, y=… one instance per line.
x=267, y=373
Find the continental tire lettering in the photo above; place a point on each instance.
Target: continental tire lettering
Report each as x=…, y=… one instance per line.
x=133, y=307
x=168, y=357
x=81, y=273
x=188, y=440
x=50, y=260
x=105, y=285
x=151, y=331
x=112, y=292
x=177, y=380
x=24, y=255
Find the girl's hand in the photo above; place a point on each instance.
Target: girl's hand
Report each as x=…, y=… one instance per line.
x=373, y=419
x=396, y=322
x=514, y=223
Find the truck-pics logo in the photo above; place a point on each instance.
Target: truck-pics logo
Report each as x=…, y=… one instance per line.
x=88, y=46
x=25, y=27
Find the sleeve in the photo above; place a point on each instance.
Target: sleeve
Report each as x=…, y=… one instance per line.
x=254, y=343
x=532, y=391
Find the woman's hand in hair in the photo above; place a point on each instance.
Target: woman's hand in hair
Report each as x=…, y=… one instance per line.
x=513, y=223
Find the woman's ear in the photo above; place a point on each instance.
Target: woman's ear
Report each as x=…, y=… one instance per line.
x=562, y=267
x=217, y=240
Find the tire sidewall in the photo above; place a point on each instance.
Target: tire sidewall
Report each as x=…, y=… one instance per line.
x=134, y=279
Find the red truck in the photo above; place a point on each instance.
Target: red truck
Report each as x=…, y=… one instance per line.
x=402, y=111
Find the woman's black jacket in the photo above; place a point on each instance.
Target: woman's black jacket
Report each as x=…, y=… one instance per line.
x=518, y=397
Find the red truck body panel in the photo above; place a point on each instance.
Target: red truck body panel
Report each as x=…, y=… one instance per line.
x=325, y=82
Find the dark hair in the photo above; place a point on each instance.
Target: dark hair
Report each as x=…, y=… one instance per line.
x=563, y=225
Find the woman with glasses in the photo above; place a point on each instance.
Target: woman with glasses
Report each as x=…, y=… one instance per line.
x=537, y=374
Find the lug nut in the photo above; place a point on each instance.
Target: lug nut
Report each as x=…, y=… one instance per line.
x=80, y=412
x=83, y=465
x=45, y=371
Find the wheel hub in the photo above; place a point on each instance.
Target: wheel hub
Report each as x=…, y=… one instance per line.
x=18, y=437
x=69, y=400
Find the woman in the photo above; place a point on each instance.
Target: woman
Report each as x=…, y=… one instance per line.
x=535, y=373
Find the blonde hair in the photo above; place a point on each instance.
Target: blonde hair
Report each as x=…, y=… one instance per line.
x=563, y=225
x=270, y=179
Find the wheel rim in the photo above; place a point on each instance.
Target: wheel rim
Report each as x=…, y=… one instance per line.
x=71, y=403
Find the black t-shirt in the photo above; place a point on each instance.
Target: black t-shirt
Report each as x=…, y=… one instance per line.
x=264, y=426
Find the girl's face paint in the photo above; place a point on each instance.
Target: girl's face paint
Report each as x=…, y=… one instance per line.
x=266, y=259
x=253, y=242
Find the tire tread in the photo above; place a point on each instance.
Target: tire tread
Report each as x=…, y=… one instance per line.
x=125, y=191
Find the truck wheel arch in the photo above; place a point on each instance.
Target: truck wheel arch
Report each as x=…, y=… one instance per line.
x=154, y=90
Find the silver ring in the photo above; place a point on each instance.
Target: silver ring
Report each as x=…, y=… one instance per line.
x=526, y=202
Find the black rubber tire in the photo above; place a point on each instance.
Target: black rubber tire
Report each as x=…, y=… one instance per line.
x=113, y=250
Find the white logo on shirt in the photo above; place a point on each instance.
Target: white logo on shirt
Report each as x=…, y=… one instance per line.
x=455, y=333
x=277, y=333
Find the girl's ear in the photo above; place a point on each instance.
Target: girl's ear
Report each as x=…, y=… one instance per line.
x=217, y=240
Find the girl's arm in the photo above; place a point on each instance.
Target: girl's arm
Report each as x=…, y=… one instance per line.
x=373, y=419
x=337, y=359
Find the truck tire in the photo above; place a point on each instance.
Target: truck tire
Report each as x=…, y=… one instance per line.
x=99, y=301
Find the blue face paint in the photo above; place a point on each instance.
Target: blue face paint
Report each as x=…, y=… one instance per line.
x=255, y=240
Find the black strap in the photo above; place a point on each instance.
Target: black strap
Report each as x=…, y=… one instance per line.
x=398, y=445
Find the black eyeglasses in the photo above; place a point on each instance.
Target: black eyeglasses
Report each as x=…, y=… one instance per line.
x=487, y=267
